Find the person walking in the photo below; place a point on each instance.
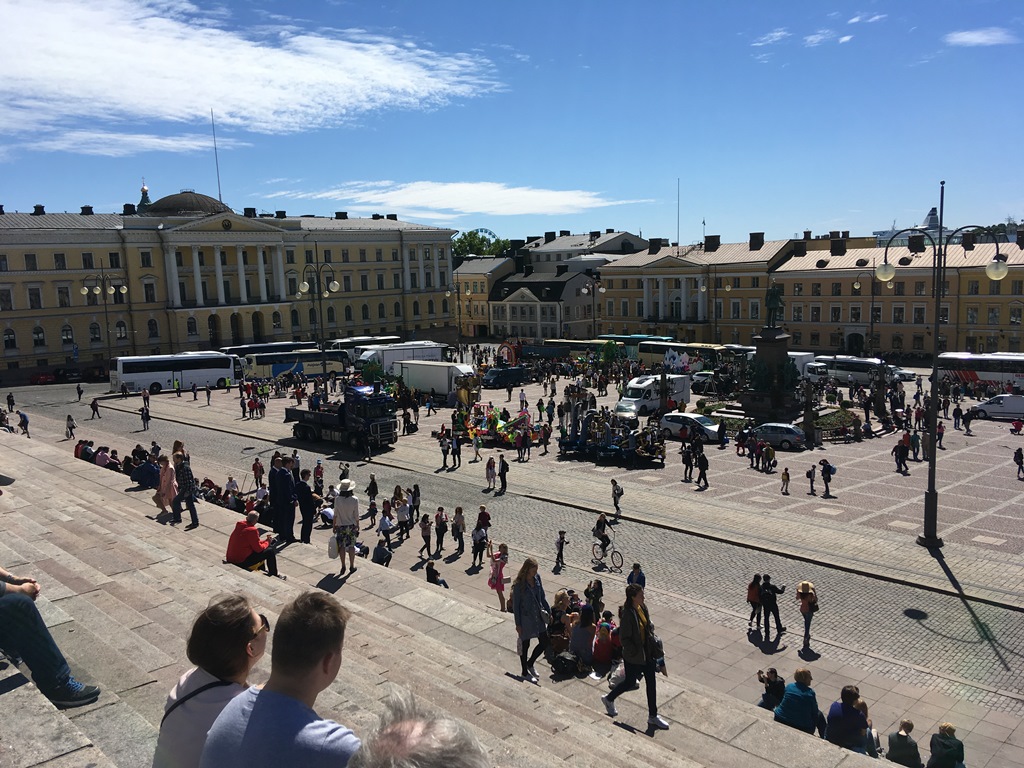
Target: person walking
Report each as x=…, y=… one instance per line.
x=958, y=414
x=70, y=427
x=459, y=531
x=496, y=579
x=560, y=543
x=968, y=417
x=616, y=498
x=95, y=406
x=502, y=473
x=529, y=606
x=1018, y=459
x=702, y=470
x=770, y=604
x=640, y=654
x=754, y=601
x=145, y=416
x=826, y=477
x=440, y=529
x=785, y=481
x=208, y=393
x=425, y=535
x=445, y=447
x=808, y=599
x=479, y=542
x=79, y=391
x=186, y=491
x=346, y=523
x=456, y=452
x=168, y=487
x=687, y=457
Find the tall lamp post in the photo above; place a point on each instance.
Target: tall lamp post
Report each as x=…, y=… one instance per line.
x=593, y=287
x=713, y=279
x=101, y=284
x=995, y=270
x=871, y=312
x=313, y=284
x=454, y=289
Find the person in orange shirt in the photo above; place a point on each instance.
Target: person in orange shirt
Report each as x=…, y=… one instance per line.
x=246, y=548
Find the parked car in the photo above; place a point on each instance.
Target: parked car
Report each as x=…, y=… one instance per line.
x=42, y=378
x=672, y=423
x=904, y=374
x=778, y=435
x=1001, y=407
x=65, y=375
x=626, y=411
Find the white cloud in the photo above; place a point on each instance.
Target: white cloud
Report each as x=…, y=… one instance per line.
x=108, y=62
x=867, y=19
x=819, y=37
x=985, y=36
x=109, y=144
x=845, y=39
x=435, y=199
x=775, y=36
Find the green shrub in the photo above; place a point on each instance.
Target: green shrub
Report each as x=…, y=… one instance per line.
x=700, y=404
x=846, y=404
x=830, y=399
x=708, y=411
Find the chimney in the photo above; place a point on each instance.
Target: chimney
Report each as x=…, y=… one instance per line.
x=38, y=210
x=609, y=231
x=756, y=241
x=549, y=236
x=527, y=270
x=249, y=213
x=594, y=234
x=837, y=246
x=86, y=210
x=845, y=234
x=129, y=209
x=807, y=234
x=531, y=238
x=654, y=245
x=341, y=215
x=392, y=217
x=1, y=210
x=564, y=233
x=280, y=214
x=833, y=234
x=800, y=248
x=561, y=269
x=376, y=217
x=515, y=245
x=712, y=243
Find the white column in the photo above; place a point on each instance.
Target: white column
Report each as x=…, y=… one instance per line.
x=684, y=299
x=241, y=274
x=648, y=299
x=261, y=274
x=218, y=274
x=197, y=277
x=171, y=266
x=662, y=298
x=420, y=266
x=437, y=271
x=406, y=269
x=279, y=286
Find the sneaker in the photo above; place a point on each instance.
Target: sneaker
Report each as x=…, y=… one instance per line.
x=609, y=706
x=533, y=672
x=658, y=722
x=528, y=677
x=74, y=694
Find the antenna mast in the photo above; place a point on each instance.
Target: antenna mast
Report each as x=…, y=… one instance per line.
x=216, y=158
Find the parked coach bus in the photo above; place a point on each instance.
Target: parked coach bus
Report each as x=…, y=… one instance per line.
x=159, y=372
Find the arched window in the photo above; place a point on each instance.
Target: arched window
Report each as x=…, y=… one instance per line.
x=398, y=309
x=312, y=317
x=415, y=309
x=67, y=336
x=382, y=313
x=348, y=314
x=444, y=306
x=94, y=332
x=430, y=306
x=10, y=340
x=366, y=311
x=121, y=329
x=295, y=319
x=154, y=329
x=275, y=319
x=38, y=337
x=191, y=327
x=332, y=316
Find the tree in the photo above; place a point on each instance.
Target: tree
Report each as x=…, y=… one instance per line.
x=478, y=244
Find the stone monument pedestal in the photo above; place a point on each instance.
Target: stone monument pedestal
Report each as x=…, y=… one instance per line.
x=770, y=396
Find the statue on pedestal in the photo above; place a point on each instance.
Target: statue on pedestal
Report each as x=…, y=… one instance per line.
x=774, y=304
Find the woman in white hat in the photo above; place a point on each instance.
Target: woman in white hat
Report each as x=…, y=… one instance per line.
x=808, y=599
x=346, y=522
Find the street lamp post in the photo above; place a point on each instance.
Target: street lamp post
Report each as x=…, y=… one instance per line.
x=313, y=283
x=454, y=289
x=714, y=299
x=995, y=270
x=593, y=287
x=871, y=316
x=103, y=285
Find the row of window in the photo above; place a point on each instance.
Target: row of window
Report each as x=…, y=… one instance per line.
x=67, y=334
x=60, y=261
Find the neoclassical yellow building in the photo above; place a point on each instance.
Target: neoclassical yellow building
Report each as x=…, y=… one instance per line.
x=185, y=272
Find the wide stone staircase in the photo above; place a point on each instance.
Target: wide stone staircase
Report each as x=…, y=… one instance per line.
x=119, y=593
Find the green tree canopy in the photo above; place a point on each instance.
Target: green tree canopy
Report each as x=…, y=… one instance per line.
x=478, y=244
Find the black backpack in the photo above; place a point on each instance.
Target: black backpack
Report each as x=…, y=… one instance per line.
x=565, y=664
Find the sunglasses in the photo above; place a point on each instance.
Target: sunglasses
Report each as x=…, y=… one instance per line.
x=264, y=626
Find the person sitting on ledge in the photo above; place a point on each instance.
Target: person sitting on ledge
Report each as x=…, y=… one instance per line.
x=246, y=548
x=24, y=635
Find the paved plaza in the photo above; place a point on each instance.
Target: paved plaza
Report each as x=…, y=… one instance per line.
x=939, y=638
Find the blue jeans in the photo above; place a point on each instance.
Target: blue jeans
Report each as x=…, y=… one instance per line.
x=23, y=632
x=186, y=494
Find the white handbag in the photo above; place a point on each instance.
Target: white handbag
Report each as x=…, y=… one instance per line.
x=332, y=548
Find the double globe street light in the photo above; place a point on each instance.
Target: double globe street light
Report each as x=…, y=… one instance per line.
x=313, y=278
x=593, y=287
x=103, y=285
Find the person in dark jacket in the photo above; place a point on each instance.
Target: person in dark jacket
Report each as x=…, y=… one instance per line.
x=636, y=632
x=774, y=688
x=770, y=603
x=309, y=502
x=529, y=606
x=947, y=750
x=283, y=501
x=186, y=491
x=903, y=749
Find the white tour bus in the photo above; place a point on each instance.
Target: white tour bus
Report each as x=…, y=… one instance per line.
x=862, y=369
x=159, y=372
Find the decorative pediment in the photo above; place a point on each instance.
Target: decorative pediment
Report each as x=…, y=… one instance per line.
x=521, y=294
x=227, y=223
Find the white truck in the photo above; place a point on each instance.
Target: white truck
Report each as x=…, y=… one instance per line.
x=386, y=355
x=426, y=375
x=645, y=392
x=801, y=360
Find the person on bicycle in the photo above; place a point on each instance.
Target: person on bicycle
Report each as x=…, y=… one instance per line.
x=601, y=533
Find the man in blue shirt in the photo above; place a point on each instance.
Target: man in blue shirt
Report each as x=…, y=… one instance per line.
x=636, y=576
x=276, y=725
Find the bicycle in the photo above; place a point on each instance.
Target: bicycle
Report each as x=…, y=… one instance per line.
x=612, y=554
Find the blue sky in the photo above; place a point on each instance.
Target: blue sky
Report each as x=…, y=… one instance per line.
x=523, y=117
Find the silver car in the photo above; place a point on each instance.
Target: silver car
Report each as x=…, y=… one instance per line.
x=778, y=435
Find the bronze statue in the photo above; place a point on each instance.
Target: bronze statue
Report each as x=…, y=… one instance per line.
x=774, y=303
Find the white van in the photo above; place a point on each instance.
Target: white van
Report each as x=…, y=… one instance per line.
x=1001, y=407
x=645, y=392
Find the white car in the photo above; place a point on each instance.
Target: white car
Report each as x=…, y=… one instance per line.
x=903, y=374
x=672, y=423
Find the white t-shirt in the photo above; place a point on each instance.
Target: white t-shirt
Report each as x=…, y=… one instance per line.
x=183, y=733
